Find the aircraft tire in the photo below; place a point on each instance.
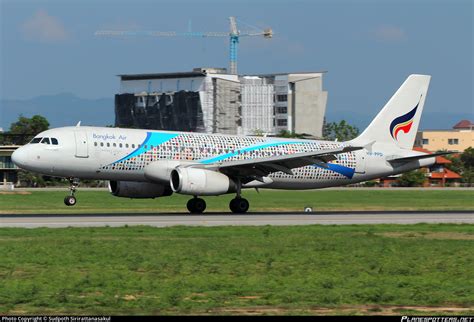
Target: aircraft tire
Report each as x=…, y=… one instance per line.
x=70, y=200
x=239, y=205
x=196, y=205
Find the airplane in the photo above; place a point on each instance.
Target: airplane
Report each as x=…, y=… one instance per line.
x=148, y=164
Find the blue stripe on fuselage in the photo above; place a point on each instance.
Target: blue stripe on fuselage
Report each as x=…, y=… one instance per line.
x=152, y=139
x=345, y=171
x=244, y=150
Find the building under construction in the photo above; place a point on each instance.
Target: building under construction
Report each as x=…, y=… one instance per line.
x=210, y=100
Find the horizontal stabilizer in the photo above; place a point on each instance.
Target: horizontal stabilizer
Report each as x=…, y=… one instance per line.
x=417, y=157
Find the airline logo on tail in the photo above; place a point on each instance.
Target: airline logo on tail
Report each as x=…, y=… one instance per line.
x=403, y=123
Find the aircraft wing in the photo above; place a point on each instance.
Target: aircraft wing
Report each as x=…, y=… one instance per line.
x=256, y=168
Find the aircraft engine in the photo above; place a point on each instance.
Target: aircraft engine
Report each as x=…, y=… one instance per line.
x=132, y=189
x=200, y=182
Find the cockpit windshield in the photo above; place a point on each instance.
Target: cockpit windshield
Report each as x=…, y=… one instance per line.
x=52, y=141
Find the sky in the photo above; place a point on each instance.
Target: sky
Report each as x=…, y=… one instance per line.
x=368, y=48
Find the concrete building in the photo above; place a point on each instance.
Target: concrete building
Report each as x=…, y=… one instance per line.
x=204, y=100
x=458, y=139
x=8, y=170
x=212, y=101
x=300, y=103
x=257, y=106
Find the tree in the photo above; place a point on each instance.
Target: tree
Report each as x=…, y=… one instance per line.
x=28, y=127
x=289, y=135
x=467, y=158
x=463, y=164
x=29, y=179
x=414, y=178
x=341, y=131
x=456, y=164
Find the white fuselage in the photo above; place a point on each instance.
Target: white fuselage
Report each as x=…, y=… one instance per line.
x=123, y=154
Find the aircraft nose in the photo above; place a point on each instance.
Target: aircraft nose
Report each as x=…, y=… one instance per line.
x=20, y=157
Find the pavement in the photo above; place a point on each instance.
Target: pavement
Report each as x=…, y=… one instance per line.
x=343, y=188
x=227, y=219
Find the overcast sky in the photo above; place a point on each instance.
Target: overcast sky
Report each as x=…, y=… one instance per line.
x=368, y=48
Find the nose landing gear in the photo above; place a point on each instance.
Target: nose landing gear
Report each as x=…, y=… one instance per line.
x=71, y=199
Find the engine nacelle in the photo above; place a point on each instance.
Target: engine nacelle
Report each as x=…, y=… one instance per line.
x=200, y=182
x=132, y=189
x=160, y=171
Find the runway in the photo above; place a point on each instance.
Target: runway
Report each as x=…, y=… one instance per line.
x=250, y=219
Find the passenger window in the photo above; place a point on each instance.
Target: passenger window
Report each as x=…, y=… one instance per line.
x=108, y=144
x=126, y=145
x=101, y=143
x=36, y=140
x=45, y=141
x=133, y=146
x=54, y=141
x=95, y=143
x=115, y=145
x=120, y=144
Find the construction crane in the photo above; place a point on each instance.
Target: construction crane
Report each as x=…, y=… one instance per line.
x=234, y=35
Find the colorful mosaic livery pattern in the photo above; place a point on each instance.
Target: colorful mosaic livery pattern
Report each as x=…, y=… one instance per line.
x=207, y=149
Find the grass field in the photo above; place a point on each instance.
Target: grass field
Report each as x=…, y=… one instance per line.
x=379, y=269
x=40, y=201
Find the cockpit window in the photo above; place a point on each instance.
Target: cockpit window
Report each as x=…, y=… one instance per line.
x=45, y=141
x=54, y=141
x=35, y=140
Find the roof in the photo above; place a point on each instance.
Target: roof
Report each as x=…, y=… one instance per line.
x=9, y=147
x=421, y=150
x=197, y=72
x=464, y=124
x=280, y=74
x=127, y=77
x=447, y=174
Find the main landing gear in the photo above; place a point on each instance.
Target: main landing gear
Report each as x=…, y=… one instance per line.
x=196, y=205
x=238, y=205
x=71, y=199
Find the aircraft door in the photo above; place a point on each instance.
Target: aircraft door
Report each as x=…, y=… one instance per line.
x=361, y=160
x=82, y=150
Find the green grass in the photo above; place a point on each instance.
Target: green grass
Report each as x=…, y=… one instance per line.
x=223, y=270
x=267, y=200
